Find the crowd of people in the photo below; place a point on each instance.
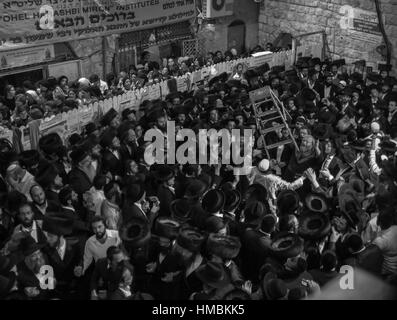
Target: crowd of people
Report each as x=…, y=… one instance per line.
x=90, y=218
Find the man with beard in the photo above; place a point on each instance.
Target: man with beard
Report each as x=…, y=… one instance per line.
x=70, y=210
x=83, y=172
x=104, y=271
x=40, y=204
x=328, y=89
x=28, y=224
x=129, y=145
x=110, y=210
x=63, y=254
x=98, y=244
x=49, y=179
x=111, y=157
x=165, y=192
x=31, y=277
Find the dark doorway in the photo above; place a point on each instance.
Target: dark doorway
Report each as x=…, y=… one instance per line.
x=236, y=36
x=16, y=79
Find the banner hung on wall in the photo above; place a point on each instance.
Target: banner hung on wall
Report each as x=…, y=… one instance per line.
x=35, y=22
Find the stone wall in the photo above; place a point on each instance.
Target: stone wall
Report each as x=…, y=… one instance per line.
x=216, y=39
x=303, y=16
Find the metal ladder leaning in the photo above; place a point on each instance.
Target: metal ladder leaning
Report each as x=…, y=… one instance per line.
x=274, y=111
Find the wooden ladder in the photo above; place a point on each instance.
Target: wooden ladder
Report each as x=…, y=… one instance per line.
x=268, y=109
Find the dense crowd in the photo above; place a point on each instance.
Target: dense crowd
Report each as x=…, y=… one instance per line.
x=94, y=214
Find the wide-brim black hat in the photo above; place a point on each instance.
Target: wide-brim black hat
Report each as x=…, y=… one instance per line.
x=213, y=201
x=190, y=238
x=223, y=246
x=316, y=203
x=232, y=199
x=163, y=173
x=28, y=245
x=135, y=233
x=313, y=225
x=50, y=143
x=166, y=227
x=287, y=202
x=322, y=131
x=79, y=154
x=338, y=63
x=234, y=83
x=29, y=158
x=108, y=117
x=46, y=174
x=196, y=188
x=107, y=137
x=385, y=67
x=286, y=245
x=57, y=225
x=308, y=94
x=212, y=274
x=135, y=192
x=180, y=210
x=373, y=76
x=255, y=192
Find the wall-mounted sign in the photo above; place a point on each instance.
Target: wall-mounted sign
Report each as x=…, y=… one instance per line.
x=362, y=24
x=27, y=56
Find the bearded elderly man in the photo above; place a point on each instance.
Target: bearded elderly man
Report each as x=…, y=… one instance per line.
x=20, y=179
x=263, y=175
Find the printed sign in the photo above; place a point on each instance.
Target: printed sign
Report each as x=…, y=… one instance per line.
x=22, y=57
x=34, y=22
x=261, y=58
x=362, y=24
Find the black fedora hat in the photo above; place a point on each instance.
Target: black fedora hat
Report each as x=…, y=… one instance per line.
x=180, y=210
x=46, y=174
x=79, y=154
x=90, y=128
x=135, y=192
x=254, y=212
x=108, y=117
x=135, y=233
x=50, y=143
x=316, y=203
x=163, y=172
x=286, y=245
x=29, y=158
x=313, y=225
x=232, y=199
x=196, y=188
x=322, y=131
x=308, y=94
x=255, y=192
x=213, y=201
x=223, y=246
x=57, y=225
x=287, y=202
x=166, y=227
x=213, y=274
x=28, y=245
x=107, y=137
x=190, y=238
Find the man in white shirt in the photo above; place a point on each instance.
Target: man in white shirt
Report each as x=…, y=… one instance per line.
x=97, y=245
x=387, y=242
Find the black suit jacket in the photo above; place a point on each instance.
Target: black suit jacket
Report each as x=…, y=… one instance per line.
x=111, y=164
x=166, y=196
x=64, y=269
x=38, y=215
x=131, y=211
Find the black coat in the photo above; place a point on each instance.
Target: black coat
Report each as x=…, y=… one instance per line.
x=111, y=164
x=64, y=268
x=166, y=196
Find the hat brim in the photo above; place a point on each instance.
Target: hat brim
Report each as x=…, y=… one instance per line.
x=200, y=273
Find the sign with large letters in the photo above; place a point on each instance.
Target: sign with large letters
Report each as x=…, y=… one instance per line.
x=34, y=22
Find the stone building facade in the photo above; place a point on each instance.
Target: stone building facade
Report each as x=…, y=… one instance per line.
x=302, y=16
